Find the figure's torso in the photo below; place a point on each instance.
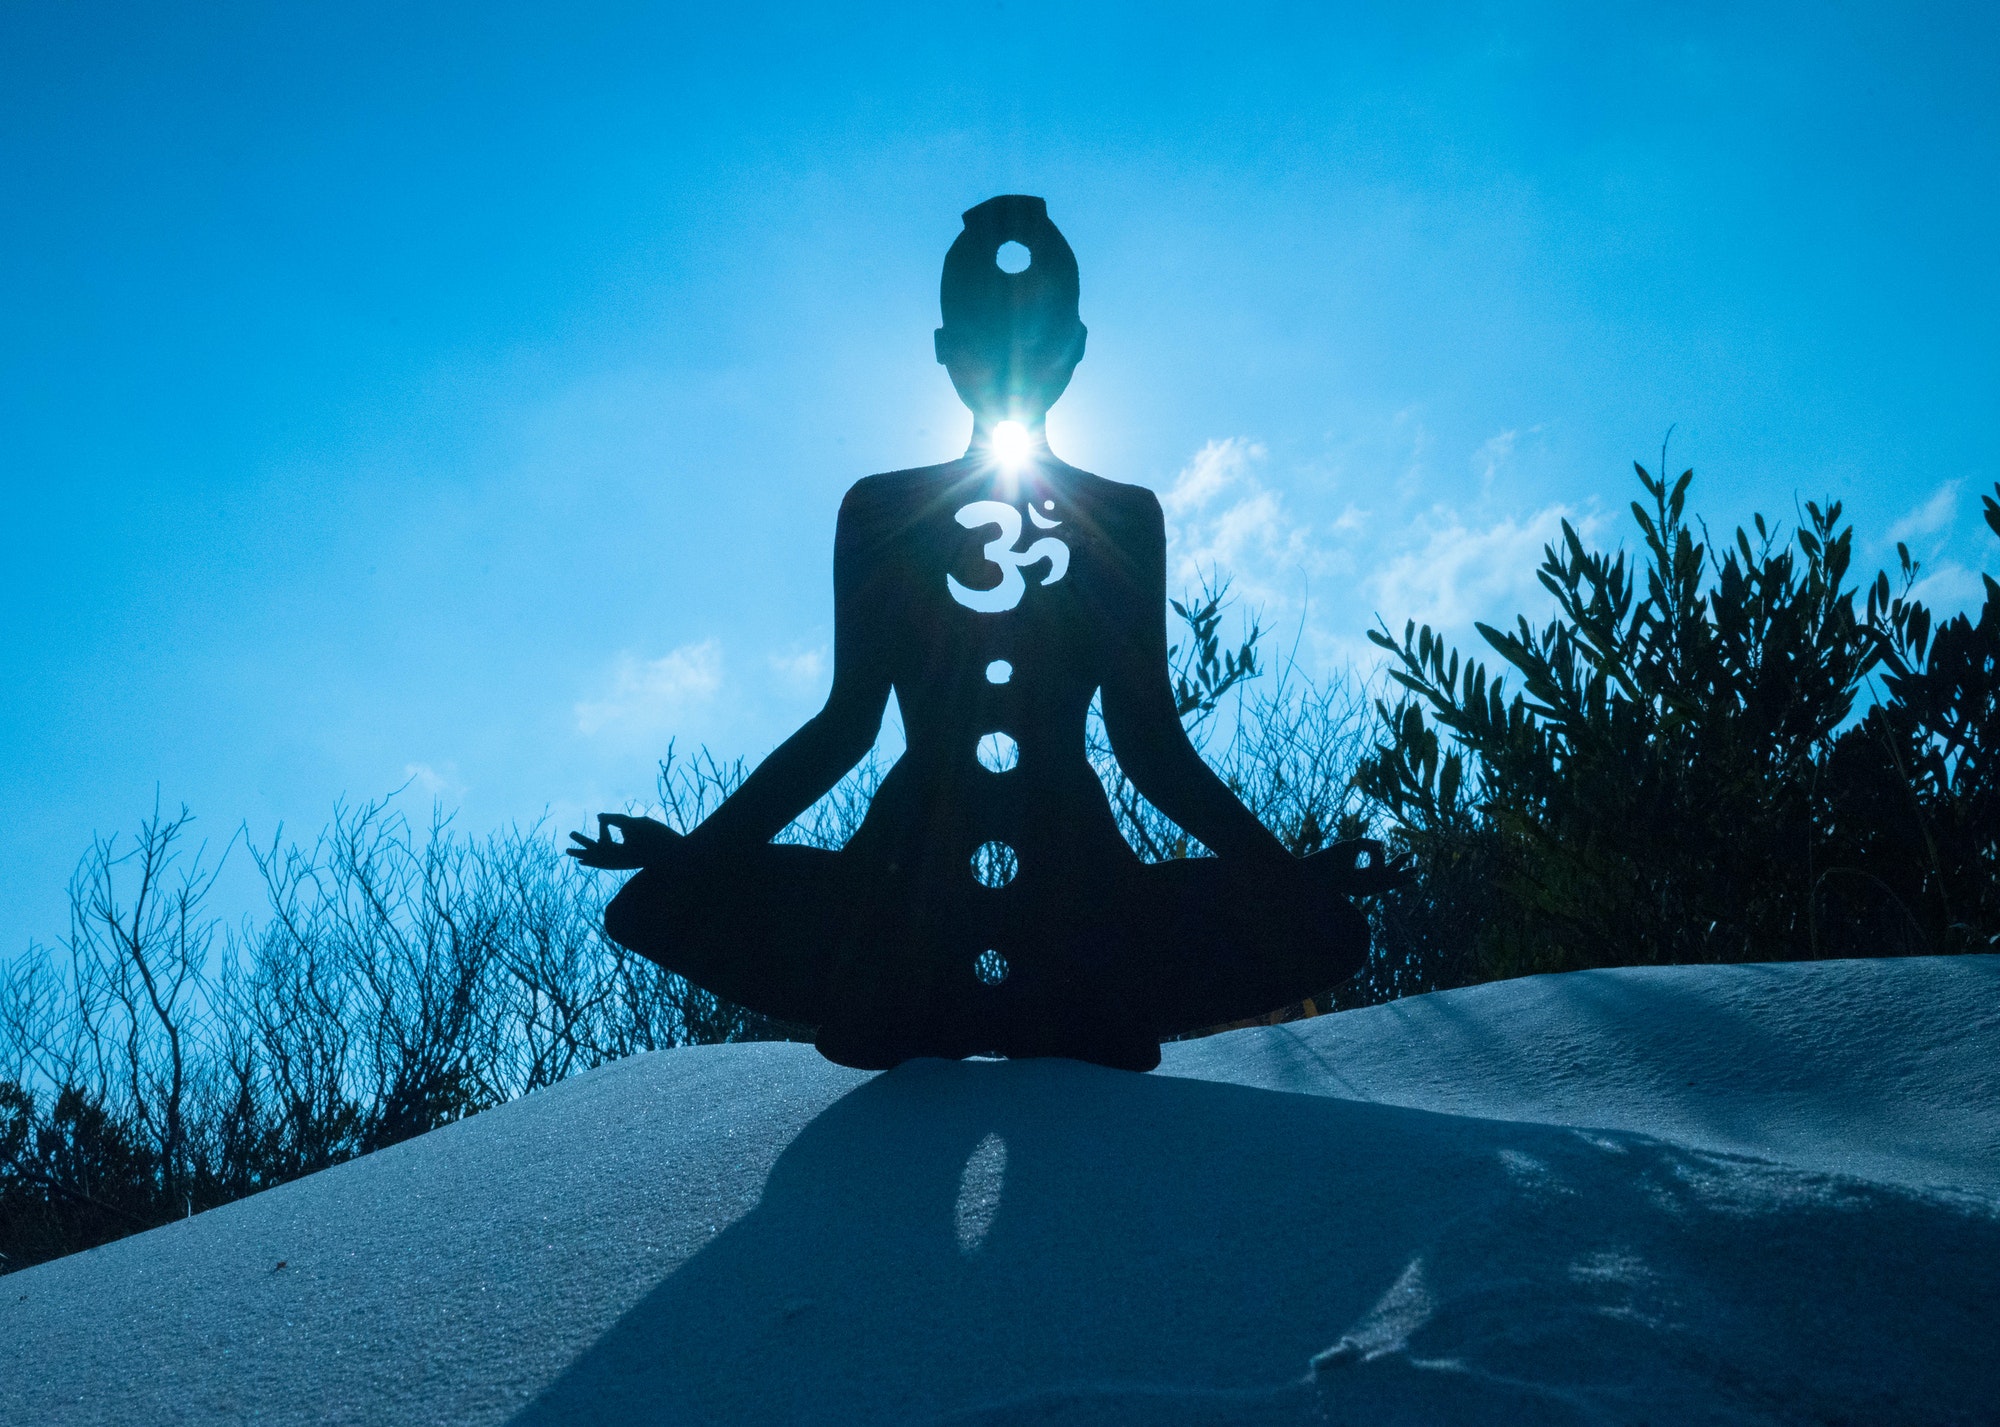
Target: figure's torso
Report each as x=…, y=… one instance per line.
x=995, y=605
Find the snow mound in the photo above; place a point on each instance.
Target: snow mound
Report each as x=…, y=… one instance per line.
x=1745, y=1194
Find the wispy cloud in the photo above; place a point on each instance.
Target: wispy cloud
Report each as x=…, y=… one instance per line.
x=1494, y=456
x=1222, y=517
x=1949, y=588
x=1930, y=517
x=801, y=670
x=643, y=695
x=1369, y=546
x=804, y=670
x=435, y=785
x=1214, y=469
x=1449, y=573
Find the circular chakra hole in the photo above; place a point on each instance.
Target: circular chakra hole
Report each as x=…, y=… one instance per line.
x=990, y=967
x=994, y=864
x=1013, y=257
x=998, y=753
x=999, y=672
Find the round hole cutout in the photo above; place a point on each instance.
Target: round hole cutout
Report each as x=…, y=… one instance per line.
x=994, y=864
x=999, y=672
x=1013, y=257
x=998, y=753
x=990, y=967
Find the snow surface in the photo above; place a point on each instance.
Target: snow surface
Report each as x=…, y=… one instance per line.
x=1734, y=1194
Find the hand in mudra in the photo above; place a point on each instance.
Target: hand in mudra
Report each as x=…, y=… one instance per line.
x=1362, y=867
x=644, y=842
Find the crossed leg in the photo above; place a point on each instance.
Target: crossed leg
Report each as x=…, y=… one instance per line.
x=1219, y=941
x=759, y=931
x=814, y=938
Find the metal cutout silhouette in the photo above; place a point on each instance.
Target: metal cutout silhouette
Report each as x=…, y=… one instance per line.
x=988, y=903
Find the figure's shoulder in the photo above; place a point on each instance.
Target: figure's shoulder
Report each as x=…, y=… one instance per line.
x=898, y=496
x=898, y=490
x=1114, y=500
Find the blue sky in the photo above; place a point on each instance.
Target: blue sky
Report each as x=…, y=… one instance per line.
x=464, y=393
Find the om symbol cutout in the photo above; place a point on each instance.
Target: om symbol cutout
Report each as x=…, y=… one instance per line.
x=1001, y=552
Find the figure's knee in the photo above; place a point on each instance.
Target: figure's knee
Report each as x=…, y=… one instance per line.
x=1334, y=920
x=628, y=914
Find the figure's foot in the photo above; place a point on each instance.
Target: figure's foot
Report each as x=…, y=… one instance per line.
x=1136, y=1053
x=881, y=1048
x=1114, y=1045
x=858, y=1049
x=864, y=1046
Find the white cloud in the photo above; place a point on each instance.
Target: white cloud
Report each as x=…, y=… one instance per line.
x=1221, y=517
x=1215, y=467
x=1930, y=517
x=427, y=780
x=1453, y=573
x=1415, y=474
x=1494, y=456
x=1948, y=589
x=1317, y=556
x=804, y=670
x=643, y=695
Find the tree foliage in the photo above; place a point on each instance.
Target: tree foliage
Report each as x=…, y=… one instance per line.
x=1676, y=772
x=158, y=1062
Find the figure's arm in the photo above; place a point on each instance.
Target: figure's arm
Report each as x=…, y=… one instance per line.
x=1146, y=732
x=805, y=766
x=802, y=768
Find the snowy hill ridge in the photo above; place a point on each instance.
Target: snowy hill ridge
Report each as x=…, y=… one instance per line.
x=1762, y=1194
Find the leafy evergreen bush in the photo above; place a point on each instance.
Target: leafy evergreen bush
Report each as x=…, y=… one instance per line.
x=1680, y=777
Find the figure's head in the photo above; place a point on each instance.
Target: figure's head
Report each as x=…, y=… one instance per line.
x=1010, y=339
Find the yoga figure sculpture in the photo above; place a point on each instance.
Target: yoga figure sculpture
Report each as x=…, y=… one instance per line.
x=988, y=903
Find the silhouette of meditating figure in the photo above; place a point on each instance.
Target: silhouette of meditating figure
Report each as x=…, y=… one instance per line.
x=988, y=903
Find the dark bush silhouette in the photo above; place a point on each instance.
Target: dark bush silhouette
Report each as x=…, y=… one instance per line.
x=1680, y=776
x=158, y=1062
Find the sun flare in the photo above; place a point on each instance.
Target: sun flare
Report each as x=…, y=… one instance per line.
x=1011, y=443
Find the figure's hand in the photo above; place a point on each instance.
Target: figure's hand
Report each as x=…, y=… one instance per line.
x=1362, y=867
x=643, y=842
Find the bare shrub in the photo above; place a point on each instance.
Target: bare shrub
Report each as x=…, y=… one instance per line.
x=158, y=1062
